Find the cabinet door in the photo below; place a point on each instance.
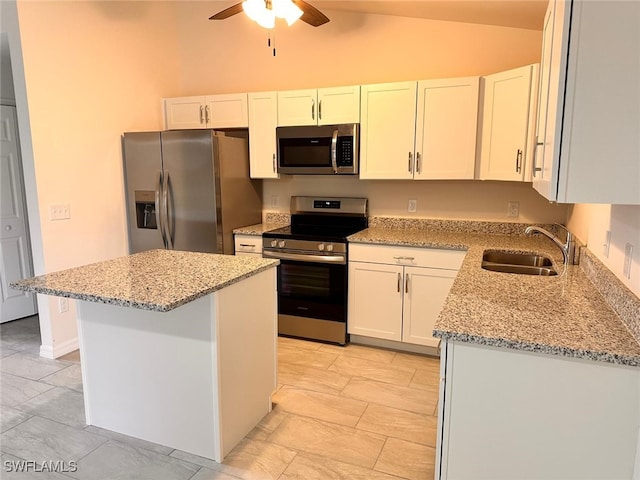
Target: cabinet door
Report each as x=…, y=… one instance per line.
x=297, y=107
x=425, y=291
x=184, y=113
x=375, y=300
x=227, y=111
x=339, y=105
x=446, y=128
x=263, y=119
x=387, y=130
x=505, y=124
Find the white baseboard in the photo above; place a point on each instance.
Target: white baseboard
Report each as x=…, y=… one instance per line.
x=390, y=344
x=69, y=346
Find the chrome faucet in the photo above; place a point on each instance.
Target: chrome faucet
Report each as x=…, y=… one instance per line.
x=568, y=247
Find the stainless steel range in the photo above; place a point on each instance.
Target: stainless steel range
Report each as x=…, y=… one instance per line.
x=312, y=276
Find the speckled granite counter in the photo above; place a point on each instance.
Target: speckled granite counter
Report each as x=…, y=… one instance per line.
x=562, y=315
x=158, y=280
x=257, y=229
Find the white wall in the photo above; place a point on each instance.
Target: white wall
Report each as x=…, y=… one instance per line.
x=591, y=223
x=460, y=200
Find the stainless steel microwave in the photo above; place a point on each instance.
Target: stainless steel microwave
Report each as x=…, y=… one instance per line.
x=318, y=150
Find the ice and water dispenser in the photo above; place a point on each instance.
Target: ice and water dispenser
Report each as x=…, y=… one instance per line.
x=146, y=209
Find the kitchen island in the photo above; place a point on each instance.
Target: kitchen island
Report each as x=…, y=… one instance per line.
x=177, y=348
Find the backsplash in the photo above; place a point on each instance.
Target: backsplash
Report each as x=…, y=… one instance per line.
x=620, y=298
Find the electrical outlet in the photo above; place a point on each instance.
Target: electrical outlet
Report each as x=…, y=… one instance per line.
x=513, y=209
x=274, y=201
x=628, y=255
x=59, y=212
x=607, y=244
x=413, y=206
x=63, y=305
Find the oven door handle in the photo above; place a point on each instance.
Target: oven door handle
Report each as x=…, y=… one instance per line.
x=336, y=259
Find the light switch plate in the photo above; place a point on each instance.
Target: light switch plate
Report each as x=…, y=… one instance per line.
x=59, y=212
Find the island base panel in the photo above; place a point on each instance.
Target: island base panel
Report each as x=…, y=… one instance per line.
x=197, y=378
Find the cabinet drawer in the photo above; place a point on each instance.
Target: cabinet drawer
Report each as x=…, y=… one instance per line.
x=248, y=244
x=407, y=256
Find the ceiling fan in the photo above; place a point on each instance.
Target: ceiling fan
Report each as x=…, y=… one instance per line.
x=265, y=11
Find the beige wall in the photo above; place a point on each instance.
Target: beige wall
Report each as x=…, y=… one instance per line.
x=591, y=223
x=462, y=200
x=92, y=70
x=232, y=56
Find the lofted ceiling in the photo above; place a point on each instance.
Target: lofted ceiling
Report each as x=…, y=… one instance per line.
x=527, y=14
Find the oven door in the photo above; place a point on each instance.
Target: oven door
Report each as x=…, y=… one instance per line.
x=312, y=295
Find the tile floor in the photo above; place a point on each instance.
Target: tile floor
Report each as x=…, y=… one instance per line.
x=339, y=413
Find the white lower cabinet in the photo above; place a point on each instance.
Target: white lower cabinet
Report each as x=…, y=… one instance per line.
x=396, y=293
x=507, y=414
x=248, y=245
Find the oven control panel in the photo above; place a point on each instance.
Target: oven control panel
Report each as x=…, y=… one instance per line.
x=306, y=245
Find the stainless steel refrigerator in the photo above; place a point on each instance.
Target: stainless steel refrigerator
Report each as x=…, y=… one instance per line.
x=188, y=190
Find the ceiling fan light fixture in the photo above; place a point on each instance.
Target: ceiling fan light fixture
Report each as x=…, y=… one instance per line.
x=257, y=11
x=264, y=13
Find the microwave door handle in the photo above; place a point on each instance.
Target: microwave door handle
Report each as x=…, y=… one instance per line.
x=334, y=151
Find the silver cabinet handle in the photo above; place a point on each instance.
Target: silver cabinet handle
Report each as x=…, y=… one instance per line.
x=206, y=114
x=274, y=163
x=410, y=162
x=536, y=168
x=418, y=166
x=399, y=280
x=519, y=161
x=201, y=113
x=313, y=109
x=320, y=110
x=406, y=283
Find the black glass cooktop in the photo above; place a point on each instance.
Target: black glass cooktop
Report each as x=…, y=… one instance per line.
x=318, y=227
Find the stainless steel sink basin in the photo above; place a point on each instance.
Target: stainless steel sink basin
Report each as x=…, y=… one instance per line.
x=522, y=263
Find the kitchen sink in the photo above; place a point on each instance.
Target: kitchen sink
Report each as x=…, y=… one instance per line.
x=521, y=263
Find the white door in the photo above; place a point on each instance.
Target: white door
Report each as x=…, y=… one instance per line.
x=185, y=113
x=375, y=300
x=446, y=128
x=387, y=130
x=426, y=290
x=505, y=124
x=339, y=105
x=263, y=120
x=297, y=107
x=15, y=249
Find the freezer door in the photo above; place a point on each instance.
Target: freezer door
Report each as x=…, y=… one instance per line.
x=142, y=158
x=189, y=166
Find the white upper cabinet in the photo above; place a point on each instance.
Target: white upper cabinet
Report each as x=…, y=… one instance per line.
x=508, y=124
x=446, y=129
x=263, y=119
x=419, y=130
x=209, y=111
x=324, y=106
x=387, y=130
x=589, y=120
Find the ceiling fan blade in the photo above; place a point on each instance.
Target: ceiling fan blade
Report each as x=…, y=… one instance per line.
x=227, y=12
x=311, y=14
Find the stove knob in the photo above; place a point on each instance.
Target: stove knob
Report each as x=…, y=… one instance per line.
x=281, y=244
x=329, y=248
x=321, y=246
x=274, y=243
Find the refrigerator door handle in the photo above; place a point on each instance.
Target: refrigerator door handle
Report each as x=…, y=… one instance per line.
x=167, y=209
x=159, y=208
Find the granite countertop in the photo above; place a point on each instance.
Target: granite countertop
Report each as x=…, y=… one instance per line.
x=563, y=315
x=158, y=280
x=257, y=229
